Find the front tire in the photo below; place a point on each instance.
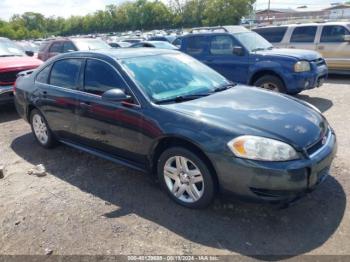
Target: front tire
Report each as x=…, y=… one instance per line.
x=272, y=83
x=41, y=130
x=186, y=178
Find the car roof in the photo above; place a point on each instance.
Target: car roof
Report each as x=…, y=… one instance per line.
x=121, y=53
x=230, y=29
x=304, y=24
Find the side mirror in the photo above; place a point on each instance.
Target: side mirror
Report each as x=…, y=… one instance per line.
x=115, y=95
x=29, y=53
x=346, y=38
x=238, y=50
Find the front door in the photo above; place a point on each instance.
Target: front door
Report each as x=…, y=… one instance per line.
x=221, y=58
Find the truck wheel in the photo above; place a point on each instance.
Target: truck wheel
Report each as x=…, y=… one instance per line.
x=272, y=83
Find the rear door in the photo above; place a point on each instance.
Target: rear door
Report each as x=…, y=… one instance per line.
x=333, y=47
x=58, y=96
x=303, y=37
x=221, y=58
x=110, y=127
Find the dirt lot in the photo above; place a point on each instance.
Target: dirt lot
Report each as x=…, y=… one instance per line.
x=87, y=205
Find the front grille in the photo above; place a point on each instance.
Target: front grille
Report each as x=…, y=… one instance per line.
x=319, y=144
x=319, y=62
x=8, y=78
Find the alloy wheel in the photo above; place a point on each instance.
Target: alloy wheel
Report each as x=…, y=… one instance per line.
x=40, y=129
x=183, y=179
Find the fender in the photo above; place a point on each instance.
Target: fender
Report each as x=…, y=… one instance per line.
x=259, y=66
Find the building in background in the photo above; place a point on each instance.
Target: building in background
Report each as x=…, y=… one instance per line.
x=302, y=14
x=339, y=11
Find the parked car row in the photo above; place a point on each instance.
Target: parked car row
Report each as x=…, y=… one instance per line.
x=237, y=53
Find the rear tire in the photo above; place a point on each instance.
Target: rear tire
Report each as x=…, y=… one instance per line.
x=272, y=83
x=186, y=178
x=41, y=130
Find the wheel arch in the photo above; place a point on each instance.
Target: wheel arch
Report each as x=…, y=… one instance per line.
x=175, y=141
x=30, y=108
x=260, y=73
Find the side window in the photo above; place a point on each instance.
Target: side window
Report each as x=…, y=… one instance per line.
x=65, y=73
x=272, y=34
x=195, y=45
x=56, y=48
x=221, y=45
x=68, y=47
x=304, y=34
x=333, y=33
x=43, y=75
x=101, y=77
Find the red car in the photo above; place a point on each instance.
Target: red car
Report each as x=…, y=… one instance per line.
x=12, y=61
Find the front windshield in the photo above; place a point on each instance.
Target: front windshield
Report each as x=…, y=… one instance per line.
x=253, y=41
x=90, y=44
x=169, y=76
x=8, y=48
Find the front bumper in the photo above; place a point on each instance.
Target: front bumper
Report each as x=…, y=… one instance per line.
x=6, y=94
x=298, y=82
x=274, y=181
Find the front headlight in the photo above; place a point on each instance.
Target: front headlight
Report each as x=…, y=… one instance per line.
x=302, y=66
x=261, y=148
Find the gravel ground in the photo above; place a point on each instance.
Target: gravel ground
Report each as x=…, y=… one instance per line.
x=87, y=205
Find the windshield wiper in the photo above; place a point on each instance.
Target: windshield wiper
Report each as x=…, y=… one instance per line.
x=183, y=98
x=7, y=55
x=224, y=87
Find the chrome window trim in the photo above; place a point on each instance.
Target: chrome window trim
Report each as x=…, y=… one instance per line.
x=82, y=91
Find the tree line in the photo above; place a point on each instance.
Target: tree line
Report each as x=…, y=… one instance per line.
x=129, y=15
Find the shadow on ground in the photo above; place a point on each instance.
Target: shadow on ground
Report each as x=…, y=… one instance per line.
x=249, y=229
x=8, y=113
x=338, y=79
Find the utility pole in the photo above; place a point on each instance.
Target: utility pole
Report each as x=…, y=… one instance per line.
x=268, y=11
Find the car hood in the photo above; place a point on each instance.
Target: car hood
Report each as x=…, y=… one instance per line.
x=18, y=63
x=295, y=53
x=251, y=111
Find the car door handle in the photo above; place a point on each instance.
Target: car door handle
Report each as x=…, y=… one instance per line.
x=291, y=46
x=321, y=47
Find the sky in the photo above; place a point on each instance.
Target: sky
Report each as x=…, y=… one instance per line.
x=66, y=8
